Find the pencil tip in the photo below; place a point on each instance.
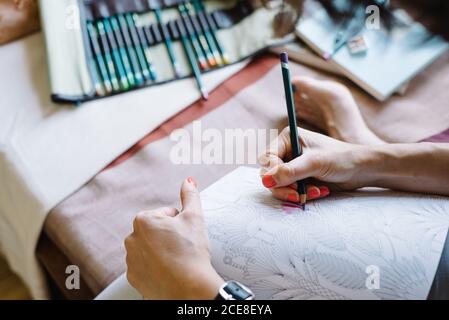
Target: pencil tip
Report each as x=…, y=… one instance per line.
x=302, y=199
x=204, y=94
x=284, y=57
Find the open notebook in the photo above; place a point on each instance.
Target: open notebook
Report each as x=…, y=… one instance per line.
x=370, y=244
x=392, y=58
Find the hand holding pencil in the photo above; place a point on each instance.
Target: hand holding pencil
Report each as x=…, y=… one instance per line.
x=295, y=149
x=280, y=171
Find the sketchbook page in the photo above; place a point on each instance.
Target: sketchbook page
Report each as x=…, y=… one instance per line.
x=372, y=244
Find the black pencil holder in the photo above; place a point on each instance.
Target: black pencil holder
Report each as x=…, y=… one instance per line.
x=99, y=48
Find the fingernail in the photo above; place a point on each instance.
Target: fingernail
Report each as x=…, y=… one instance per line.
x=191, y=181
x=293, y=197
x=313, y=193
x=268, y=181
x=324, y=191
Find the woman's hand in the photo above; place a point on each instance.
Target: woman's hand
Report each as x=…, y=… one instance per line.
x=330, y=163
x=168, y=254
x=330, y=106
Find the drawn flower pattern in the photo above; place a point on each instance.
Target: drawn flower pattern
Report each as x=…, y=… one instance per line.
x=323, y=253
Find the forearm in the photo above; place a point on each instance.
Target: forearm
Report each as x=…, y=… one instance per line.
x=418, y=167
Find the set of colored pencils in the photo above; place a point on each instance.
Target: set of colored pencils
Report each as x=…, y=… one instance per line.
x=121, y=54
x=197, y=30
x=121, y=47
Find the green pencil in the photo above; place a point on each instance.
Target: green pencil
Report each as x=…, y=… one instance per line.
x=294, y=135
x=93, y=37
x=191, y=57
x=168, y=42
x=209, y=37
x=199, y=6
x=116, y=54
x=131, y=49
x=122, y=50
x=99, y=91
x=200, y=35
x=138, y=46
x=107, y=56
x=145, y=45
x=193, y=39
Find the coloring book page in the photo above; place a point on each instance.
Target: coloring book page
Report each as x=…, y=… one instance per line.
x=369, y=244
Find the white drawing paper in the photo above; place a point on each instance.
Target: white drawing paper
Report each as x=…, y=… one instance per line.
x=369, y=244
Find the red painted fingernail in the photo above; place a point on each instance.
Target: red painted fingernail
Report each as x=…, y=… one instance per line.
x=191, y=181
x=293, y=197
x=313, y=193
x=268, y=181
x=324, y=191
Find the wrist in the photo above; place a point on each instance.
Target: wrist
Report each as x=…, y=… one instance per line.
x=382, y=164
x=205, y=286
x=372, y=163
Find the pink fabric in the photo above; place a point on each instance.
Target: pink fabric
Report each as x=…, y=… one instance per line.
x=441, y=137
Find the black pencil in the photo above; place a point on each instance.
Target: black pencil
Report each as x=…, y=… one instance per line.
x=294, y=135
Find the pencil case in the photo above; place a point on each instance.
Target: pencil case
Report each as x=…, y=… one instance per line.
x=100, y=48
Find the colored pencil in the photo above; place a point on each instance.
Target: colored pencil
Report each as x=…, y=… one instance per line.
x=168, y=42
x=199, y=6
x=99, y=91
x=93, y=37
x=116, y=54
x=145, y=46
x=191, y=58
x=138, y=46
x=209, y=38
x=193, y=39
x=149, y=35
x=107, y=56
x=123, y=52
x=131, y=49
x=294, y=134
x=200, y=35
